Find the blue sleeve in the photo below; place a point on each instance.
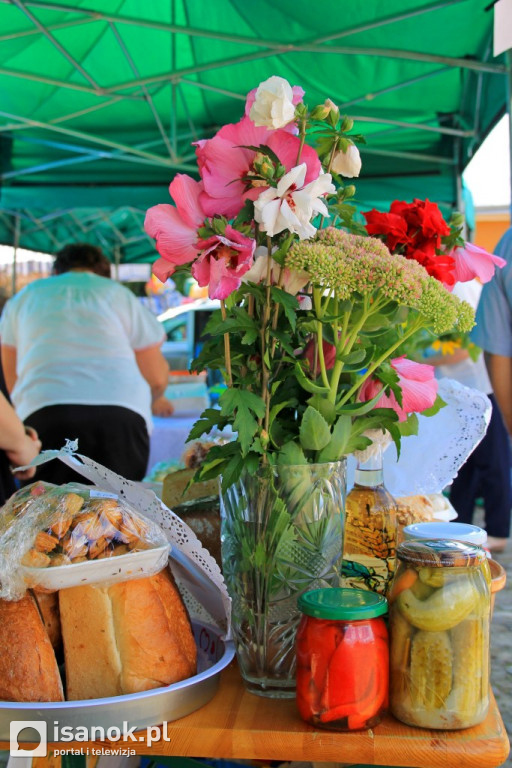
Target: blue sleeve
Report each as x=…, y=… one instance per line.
x=493, y=330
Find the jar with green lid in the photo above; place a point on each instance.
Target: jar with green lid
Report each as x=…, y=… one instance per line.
x=439, y=619
x=342, y=658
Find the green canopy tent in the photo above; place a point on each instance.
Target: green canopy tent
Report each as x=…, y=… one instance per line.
x=101, y=99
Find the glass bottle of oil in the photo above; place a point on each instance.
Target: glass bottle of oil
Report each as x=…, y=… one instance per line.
x=369, y=549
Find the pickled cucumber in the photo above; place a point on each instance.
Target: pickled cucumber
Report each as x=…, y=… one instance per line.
x=431, y=669
x=444, y=609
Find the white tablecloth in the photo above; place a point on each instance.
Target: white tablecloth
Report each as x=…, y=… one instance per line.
x=168, y=438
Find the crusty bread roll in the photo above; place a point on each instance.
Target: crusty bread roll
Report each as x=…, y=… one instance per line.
x=28, y=668
x=412, y=509
x=48, y=604
x=415, y=509
x=125, y=638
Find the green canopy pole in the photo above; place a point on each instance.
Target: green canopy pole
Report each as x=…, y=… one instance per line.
x=17, y=222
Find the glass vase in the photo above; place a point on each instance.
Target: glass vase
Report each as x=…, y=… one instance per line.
x=282, y=535
x=369, y=547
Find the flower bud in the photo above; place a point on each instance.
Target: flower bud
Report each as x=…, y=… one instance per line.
x=332, y=107
x=319, y=112
x=349, y=191
x=263, y=165
x=301, y=111
x=347, y=124
x=347, y=163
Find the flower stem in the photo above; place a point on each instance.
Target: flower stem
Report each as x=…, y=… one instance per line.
x=227, y=348
x=385, y=356
x=265, y=395
x=302, y=137
x=329, y=166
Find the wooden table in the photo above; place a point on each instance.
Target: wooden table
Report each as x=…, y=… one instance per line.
x=237, y=724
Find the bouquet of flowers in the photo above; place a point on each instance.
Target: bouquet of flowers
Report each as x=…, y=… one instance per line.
x=312, y=317
x=315, y=312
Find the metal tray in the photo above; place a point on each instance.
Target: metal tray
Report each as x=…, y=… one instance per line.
x=139, y=710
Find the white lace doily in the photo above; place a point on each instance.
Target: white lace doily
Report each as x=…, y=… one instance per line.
x=430, y=460
x=196, y=571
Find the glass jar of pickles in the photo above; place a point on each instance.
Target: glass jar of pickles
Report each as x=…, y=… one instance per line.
x=342, y=658
x=439, y=635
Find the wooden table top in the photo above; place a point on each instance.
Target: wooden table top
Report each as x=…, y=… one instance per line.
x=237, y=724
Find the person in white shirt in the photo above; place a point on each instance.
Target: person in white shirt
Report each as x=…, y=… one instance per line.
x=82, y=359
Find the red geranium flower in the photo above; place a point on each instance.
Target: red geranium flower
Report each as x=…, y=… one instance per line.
x=392, y=226
x=415, y=230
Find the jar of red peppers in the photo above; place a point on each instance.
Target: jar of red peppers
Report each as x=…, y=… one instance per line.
x=342, y=658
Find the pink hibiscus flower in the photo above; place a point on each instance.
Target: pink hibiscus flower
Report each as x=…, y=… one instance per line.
x=418, y=385
x=473, y=261
x=223, y=261
x=223, y=161
x=175, y=228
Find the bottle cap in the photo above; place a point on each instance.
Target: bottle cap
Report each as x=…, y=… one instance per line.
x=343, y=604
x=471, y=534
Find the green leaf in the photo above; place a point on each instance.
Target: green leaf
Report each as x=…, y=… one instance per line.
x=358, y=443
x=250, y=337
x=356, y=356
x=438, y=404
x=288, y=302
x=362, y=364
x=283, y=249
x=409, y=426
x=232, y=471
x=358, y=409
x=326, y=408
x=245, y=405
x=245, y=215
x=219, y=224
x=284, y=341
x=263, y=149
x=395, y=433
x=206, y=422
x=232, y=399
x=314, y=431
x=279, y=407
x=240, y=323
x=307, y=384
x=291, y=453
x=338, y=442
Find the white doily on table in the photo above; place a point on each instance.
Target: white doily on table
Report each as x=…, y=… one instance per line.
x=196, y=571
x=430, y=460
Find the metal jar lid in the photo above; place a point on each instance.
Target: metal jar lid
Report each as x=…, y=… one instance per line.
x=441, y=553
x=342, y=604
x=471, y=534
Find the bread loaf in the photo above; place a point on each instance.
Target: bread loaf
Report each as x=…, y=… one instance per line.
x=125, y=638
x=28, y=668
x=48, y=604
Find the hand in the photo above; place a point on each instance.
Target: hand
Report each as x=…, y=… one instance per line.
x=31, y=432
x=161, y=406
x=28, y=450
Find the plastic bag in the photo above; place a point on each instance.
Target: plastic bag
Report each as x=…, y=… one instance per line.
x=197, y=573
x=54, y=537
